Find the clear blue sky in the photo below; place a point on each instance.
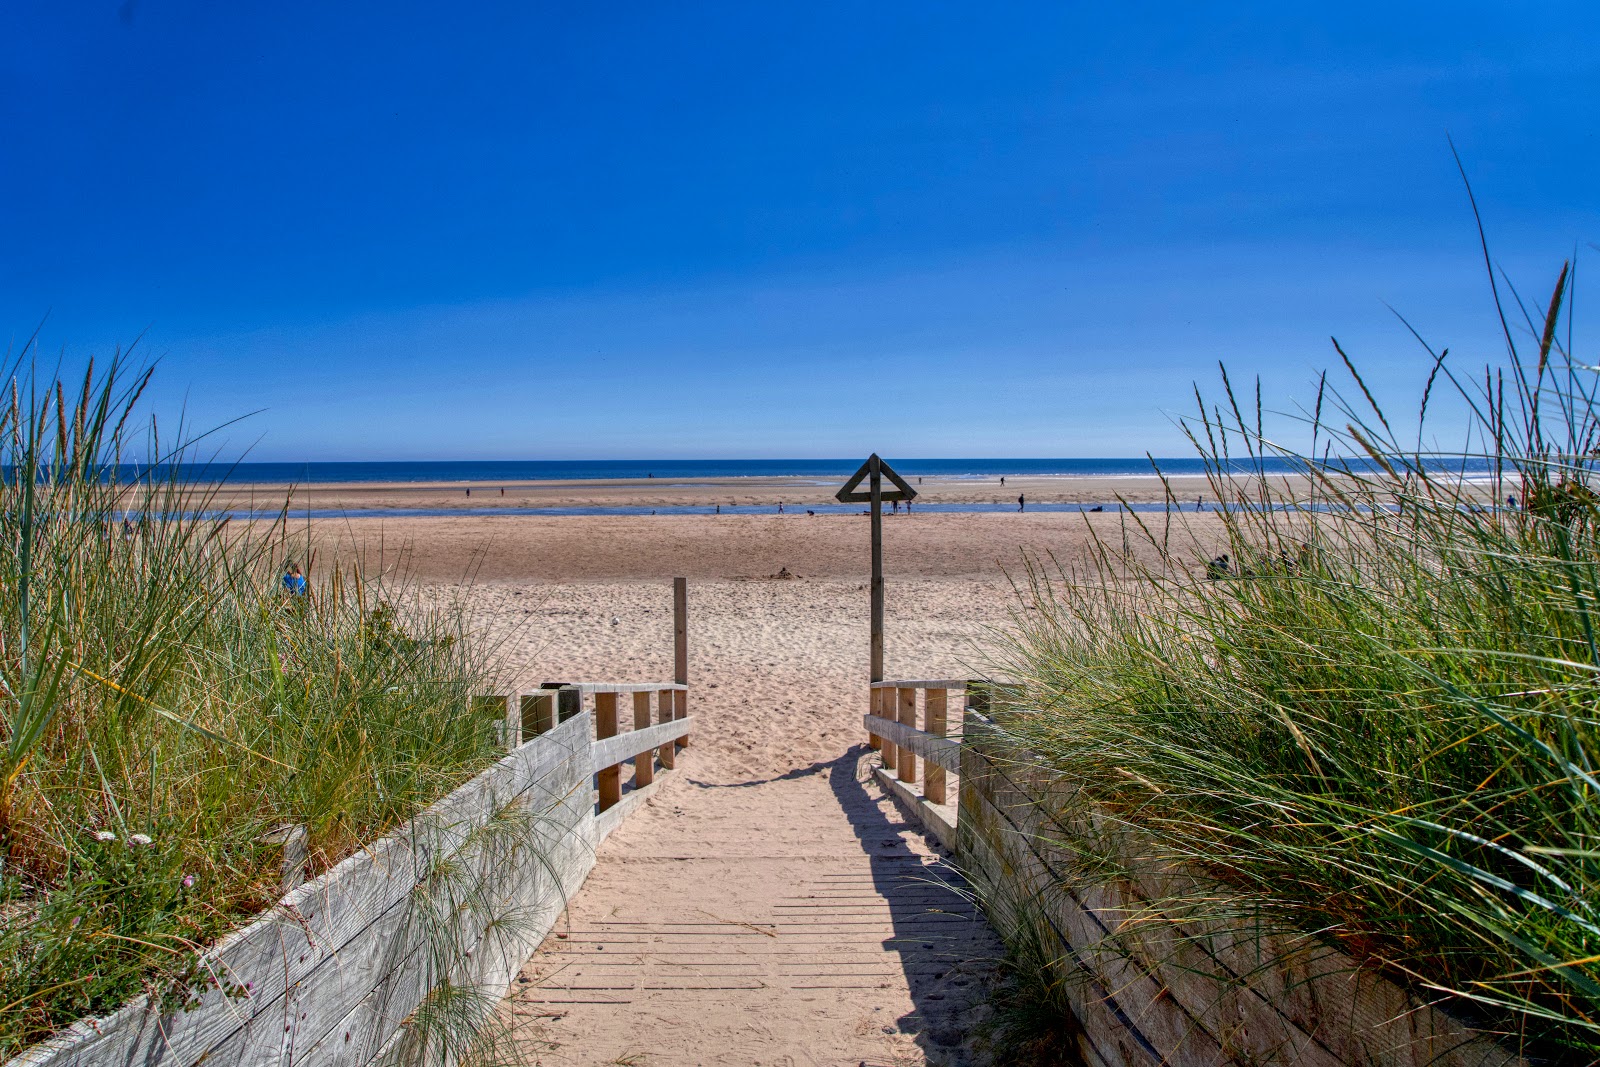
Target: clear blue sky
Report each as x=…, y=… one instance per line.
x=558, y=230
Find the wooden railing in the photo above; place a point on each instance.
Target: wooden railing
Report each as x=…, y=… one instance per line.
x=892, y=728
x=522, y=717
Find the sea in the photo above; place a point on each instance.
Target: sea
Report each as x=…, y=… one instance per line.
x=689, y=472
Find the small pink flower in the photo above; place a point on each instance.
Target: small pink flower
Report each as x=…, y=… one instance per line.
x=188, y=881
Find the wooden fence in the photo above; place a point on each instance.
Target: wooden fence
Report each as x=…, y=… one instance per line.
x=456, y=899
x=1162, y=965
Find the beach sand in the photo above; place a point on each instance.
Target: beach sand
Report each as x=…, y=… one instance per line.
x=792, y=492
x=770, y=821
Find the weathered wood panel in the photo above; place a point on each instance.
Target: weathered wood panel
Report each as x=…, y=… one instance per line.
x=312, y=962
x=939, y=750
x=609, y=751
x=1188, y=985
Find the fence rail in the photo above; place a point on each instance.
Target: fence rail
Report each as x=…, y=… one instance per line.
x=522, y=716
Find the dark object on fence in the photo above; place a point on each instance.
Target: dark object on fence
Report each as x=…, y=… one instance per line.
x=568, y=702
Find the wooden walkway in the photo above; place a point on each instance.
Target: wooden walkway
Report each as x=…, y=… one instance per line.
x=794, y=920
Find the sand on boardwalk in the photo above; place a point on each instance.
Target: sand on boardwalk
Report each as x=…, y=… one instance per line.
x=767, y=906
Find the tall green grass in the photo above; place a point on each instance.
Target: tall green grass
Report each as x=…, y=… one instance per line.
x=1379, y=723
x=165, y=706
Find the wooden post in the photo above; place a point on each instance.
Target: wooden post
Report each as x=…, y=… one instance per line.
x=664, y=713
x=608, y=779
x=875, y=476
x=890, y=753
x=877, y=709
x=908, y=717
x=680, y=650
x=933, y=775
x=540, y=710
x=644, y=764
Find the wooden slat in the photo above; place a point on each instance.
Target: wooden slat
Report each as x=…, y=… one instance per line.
x=665, y=713
x=538, y=713
x=908, y=718
x=933, y=775
x=944, y=751
x=875, y=703
x=610, y=751
x=594, y=688
x=608, y=776
x=942, y=683
x=644, y=764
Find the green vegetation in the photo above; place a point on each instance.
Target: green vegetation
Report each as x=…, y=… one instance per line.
x=1378, y=720
x=167, y=705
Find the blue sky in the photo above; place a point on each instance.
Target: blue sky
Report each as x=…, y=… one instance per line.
x=564, y=230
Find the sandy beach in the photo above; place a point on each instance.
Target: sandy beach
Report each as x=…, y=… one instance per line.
x=778, y=623
x=795, y=493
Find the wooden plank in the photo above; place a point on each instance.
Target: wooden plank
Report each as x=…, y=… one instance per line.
x=875, y=703
x=680, y=710
x=908, y=719
x=608, y=776
x=944, y=751
x=680, y=631
x=937, y=683
x=665, y=713
x=593, y=688
x=610, y=751
x=538, y=713
x=644, y=764
x=282, y=949
x=933, y=775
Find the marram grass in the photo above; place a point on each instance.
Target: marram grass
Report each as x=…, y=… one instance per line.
x=1379, y=720
x=164, y=706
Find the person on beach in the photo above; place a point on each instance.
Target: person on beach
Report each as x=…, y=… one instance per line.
x=1022, y=501
x=780, y=507
x=294, y=583
x=1002, y=481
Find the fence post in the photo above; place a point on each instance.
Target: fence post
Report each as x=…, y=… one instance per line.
x=933, y=775
x=539, y=709
x=608, y=779
x=908, y=717
x=680, y=651
x=644, y=764
x=877, y=709
x=664, y=705
x=890, y=752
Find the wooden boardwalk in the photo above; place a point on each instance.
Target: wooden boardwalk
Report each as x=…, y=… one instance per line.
x=794, y=920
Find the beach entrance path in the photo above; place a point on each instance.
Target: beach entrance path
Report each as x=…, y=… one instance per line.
x=768, y=905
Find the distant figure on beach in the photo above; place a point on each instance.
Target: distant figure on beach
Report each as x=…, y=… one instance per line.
x=1199, y=503
x=469, y=492
x=1218, y=567
x=127, y=530
x=1511, y=502
x=1022, y=501
x=650, y=475
x=502, y=490
x=810, y=512
x=896, y=504
x=719, y=509
x=294, y=583
x=780, y=507
x=1098, y=507
x=1002, y=481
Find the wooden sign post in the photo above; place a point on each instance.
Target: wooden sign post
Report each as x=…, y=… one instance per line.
x=873, y=471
